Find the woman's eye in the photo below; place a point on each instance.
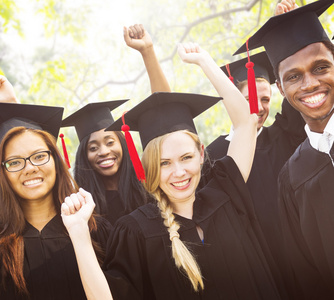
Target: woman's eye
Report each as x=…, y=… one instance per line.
x=164, y=163
x=92, y=149
x=39, y=157
x=13, y=163
x=187, y=157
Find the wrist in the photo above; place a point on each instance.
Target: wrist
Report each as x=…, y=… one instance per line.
x=147, y=51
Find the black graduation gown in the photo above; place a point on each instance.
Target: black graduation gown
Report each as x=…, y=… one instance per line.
x=275, y=145
x=50, y=266
x=139, y=262
x=306, y=186
x=115, y=207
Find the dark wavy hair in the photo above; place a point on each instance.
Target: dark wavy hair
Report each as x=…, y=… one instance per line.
x=130, y=189
x=12, y=219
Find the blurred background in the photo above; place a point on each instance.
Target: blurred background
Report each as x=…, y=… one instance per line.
x=72, y=52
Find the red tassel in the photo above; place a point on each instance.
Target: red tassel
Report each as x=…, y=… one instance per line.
x=65, y=151
x=252, y=93
x=133, y=152
x=229, y=73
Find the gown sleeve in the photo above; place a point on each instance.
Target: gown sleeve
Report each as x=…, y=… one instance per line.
x=124, y=266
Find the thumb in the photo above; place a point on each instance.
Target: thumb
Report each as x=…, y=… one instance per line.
x=127, y=38
x=88, y=197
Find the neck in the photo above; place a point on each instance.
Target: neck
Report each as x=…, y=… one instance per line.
x=110, y=182
x=184, y=208
x=39, y=212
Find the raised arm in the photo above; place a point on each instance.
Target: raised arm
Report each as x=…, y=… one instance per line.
x=242, y=145
x=139, y=39
x=75, y=212
x=7, y=93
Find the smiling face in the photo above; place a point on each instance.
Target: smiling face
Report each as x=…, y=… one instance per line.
x=33, y=182
x=263, y=95
x=104, y=152
x=307, y=81
x=180, y=167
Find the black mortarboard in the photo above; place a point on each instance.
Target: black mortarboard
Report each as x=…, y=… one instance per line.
x=163, y=113
x=262, y=68
x=285, y=34
x=92, y=117
x=42, y=117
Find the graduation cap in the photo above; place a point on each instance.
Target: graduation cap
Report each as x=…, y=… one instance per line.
x=92, y=117
x=285, y=34
x=159, y=114
x=41, y=117
x=262, y=68
x=165, y=112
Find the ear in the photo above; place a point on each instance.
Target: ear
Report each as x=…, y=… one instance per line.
x=202, y=154
x=279, y=86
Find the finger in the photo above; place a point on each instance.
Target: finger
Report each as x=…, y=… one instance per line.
x=88, y=197
x=136, y=31
x=197, y=48
x=75, y=201
x=192, y=47
x=65, y=209
x=70, y=205
x=288, y=5
x=187, y=47
x=279, y=10
x=81, y=199
x=180, y=50
x=126, y=35
x=142, y=30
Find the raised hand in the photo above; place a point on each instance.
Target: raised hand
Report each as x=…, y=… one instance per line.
x=77, y=209
x=192, y=53
x=285, y=6
x=7, y=93
x=137, y=37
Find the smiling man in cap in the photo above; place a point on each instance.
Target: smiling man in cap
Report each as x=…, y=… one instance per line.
x=303, y=59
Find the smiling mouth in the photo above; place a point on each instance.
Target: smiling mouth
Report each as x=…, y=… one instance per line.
x=107, y=162
x=314, y=99
x=181, y=183
x=32, y=182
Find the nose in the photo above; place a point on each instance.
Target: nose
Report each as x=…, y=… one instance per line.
x=179, y=170
x=104, y=150
x=29, y=167
x=310, y=82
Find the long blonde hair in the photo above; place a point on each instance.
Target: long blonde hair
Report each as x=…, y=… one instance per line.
x=184, y=260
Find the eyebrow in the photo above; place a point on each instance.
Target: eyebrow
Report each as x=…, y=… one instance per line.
x=319, y=61
x=106, y=137
x=20, y=156
x=183, y=155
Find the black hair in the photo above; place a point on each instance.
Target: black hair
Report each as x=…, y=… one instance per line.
x=130, y=189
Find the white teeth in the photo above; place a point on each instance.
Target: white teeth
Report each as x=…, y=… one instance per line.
x=107, y=162
x=182, y=183
x=314, y=99
x=31, y=182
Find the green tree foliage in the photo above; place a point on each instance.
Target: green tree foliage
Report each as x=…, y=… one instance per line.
x=69, y=53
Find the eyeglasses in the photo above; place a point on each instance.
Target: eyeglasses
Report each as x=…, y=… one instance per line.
x=37, y=159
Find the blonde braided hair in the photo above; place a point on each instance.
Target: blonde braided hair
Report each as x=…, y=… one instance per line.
x=184, y=260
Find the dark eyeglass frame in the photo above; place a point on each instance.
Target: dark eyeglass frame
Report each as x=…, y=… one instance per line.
x=28, y=158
